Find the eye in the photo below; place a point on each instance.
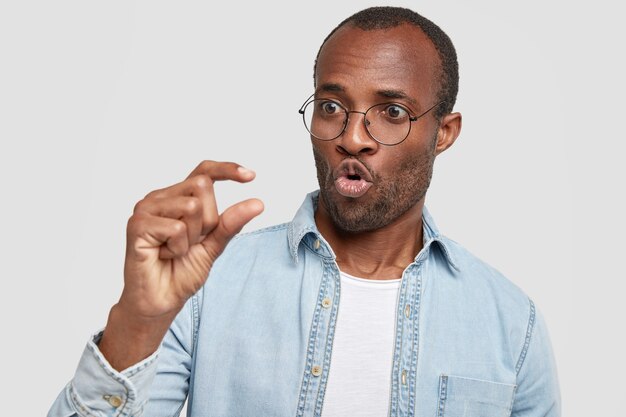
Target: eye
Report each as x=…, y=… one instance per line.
x=394, y=111
x=329, y=107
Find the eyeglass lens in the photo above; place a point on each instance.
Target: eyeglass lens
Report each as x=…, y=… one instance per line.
x=388, y=123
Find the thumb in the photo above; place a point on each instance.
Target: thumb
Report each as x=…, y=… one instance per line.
x=231, y=221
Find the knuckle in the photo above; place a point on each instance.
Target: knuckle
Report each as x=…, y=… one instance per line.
x=201, y=182
x=152, y=194
x=207, y=163
x=179, y=228
x=210, y=224
x=213, y=220
x=192, y=206
x=135, y=223
x=140, y=206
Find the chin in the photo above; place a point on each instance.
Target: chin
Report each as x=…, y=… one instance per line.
x=365, y=214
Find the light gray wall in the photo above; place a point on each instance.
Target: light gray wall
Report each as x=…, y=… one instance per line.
x=101, y=102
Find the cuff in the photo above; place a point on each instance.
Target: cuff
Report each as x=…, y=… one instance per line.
x=99, y=390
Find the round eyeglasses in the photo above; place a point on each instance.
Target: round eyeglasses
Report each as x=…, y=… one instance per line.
x=386, y=123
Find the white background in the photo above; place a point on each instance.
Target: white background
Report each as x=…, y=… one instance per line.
x=102, y=102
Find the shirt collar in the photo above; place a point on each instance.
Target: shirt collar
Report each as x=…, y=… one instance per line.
x=432, y=235
x=303, y=230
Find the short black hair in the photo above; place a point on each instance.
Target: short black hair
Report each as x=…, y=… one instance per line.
x=375, y=18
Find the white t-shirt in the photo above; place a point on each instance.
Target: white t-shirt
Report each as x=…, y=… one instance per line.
x=359, y=378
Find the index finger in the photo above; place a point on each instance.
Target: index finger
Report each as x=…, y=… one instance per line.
x=219, y=171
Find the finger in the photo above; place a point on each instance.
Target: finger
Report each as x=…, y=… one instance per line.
x=147, y=233
x=187, y=209
x=192, y=186
x=219, y=171
x=201, y=187
x=230, y=223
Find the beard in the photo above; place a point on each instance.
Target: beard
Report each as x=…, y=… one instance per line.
x=391, y=196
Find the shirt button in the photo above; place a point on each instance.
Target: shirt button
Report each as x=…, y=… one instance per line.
x=317, y=244
x=326, y=302
x=404, y=377
x=316, y=370
x=114, y=400
x=407, y=311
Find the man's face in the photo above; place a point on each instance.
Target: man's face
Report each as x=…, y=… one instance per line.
x=365, y=185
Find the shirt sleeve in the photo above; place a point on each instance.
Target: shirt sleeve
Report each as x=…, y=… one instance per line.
x=157, y=386
x=537, y=393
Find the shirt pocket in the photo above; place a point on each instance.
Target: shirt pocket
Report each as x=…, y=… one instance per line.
x=467, y=397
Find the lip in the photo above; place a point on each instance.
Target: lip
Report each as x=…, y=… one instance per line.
x=352, y=178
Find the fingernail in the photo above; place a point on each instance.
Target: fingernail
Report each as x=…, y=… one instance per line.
x=245, y=171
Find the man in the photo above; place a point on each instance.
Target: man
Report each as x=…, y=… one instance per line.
x=358, y=306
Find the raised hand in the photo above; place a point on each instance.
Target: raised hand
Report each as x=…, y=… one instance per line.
x=173, y=238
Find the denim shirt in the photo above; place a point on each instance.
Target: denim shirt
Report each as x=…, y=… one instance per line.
x=257, y=340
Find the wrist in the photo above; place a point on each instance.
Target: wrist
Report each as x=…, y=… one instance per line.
x=128, y=339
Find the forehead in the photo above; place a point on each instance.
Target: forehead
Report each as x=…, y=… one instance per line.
x=400, y=58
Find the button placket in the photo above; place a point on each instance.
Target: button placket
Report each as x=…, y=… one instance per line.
x=405, y=363
x=320, y=342
x=415, y=297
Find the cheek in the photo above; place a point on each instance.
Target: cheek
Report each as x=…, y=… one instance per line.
x=410, y=160
x=321, y=164
x=323, y=152
x=323, y=147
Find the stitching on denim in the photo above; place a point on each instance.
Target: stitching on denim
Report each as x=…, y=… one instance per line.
x=329, y=339
x=274, y=228
x=431, y=229
x=512, y=398
x=415, y=347
x=197, y=301
x=140, y=368
x=529, y=333
x=397, y=353
x=195, y=322
x=82, y=410
x=125, y=408
x=105, y=367
x=296, y=242
x=130, y=396
x=308, y=248
x=306, y=378
x=441, y=240
x=443, y=394
x=290, y=243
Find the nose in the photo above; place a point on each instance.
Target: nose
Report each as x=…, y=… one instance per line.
x=355, y=139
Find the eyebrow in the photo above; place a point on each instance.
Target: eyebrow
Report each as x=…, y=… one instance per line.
x=386, y=93
x=331, y=88
x=396, y=94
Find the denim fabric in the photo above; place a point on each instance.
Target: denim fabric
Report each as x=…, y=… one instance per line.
x=257, y=339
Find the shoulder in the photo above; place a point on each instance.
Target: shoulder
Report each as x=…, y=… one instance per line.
x=475, y=272
x=246, y=248
x=481, y=287
x=495, y=306
x=265, y=238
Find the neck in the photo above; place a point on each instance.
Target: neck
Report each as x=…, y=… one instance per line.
x=378, y=254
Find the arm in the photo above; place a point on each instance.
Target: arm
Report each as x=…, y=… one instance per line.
x=156, y=386
x=537, y=393
x=173, y=238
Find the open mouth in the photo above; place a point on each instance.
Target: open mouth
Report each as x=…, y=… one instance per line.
x=352, y=179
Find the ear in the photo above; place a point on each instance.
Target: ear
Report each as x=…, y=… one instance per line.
x=449, y=130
